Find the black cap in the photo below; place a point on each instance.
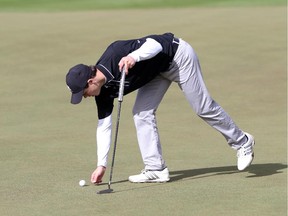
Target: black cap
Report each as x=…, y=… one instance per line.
x=76, y=80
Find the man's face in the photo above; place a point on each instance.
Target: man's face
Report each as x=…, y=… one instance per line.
x=93, y=88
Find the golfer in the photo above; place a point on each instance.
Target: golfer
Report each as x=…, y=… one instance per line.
x=151, y=63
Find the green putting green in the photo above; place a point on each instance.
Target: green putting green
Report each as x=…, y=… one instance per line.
x=48, y=145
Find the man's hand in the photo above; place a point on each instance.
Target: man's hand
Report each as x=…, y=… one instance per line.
x=96, y=177
x=127, y=62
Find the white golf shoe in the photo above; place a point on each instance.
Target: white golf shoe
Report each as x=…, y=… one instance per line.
x=151, y=176
x=245, y=153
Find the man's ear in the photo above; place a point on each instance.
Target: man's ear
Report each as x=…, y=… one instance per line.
x=90, y=81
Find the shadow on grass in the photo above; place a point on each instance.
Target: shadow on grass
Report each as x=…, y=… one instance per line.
x=257, y=170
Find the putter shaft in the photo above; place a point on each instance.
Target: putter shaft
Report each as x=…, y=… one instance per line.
x=120, y=99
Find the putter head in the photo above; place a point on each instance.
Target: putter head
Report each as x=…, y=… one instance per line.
x=106, y=191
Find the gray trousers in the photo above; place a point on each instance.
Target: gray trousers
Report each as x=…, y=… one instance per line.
x=184, y=70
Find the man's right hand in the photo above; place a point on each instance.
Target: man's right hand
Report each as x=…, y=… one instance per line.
x=96, y=177
x=126, y=63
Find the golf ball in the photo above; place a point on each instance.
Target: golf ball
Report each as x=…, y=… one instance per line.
x=82, y=183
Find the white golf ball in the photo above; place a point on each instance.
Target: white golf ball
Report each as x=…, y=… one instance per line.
x=82, y=183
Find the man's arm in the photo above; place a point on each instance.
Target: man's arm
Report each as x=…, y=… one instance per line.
x=148, y=50
x=103, y=138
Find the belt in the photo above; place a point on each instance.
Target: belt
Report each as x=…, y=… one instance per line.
x=175, y=44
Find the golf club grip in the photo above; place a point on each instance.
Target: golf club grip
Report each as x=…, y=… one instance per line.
x=121, y=88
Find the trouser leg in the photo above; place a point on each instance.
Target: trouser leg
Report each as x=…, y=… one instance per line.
x=144, y=112
x=191, y=82
x=211, y=112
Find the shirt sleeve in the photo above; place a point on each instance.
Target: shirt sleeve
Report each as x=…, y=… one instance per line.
x=147, y=51
x=103, y=139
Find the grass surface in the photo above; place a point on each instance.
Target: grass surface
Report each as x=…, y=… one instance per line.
x=77, y=5
x=48, y=145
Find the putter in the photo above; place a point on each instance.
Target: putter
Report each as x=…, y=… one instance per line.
x=120, y=99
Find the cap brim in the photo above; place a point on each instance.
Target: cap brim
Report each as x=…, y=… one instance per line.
x=76, y=98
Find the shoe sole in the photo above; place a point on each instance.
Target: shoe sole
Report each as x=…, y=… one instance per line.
x=151, y=181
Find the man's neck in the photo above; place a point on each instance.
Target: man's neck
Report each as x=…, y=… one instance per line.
x=100, y=77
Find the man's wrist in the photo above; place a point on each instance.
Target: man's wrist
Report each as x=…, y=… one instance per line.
x=101, y=166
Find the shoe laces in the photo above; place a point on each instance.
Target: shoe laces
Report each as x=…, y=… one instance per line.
x=244, y=150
